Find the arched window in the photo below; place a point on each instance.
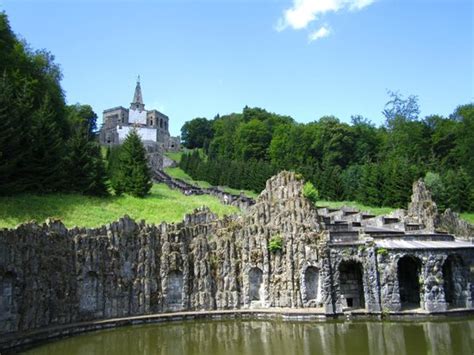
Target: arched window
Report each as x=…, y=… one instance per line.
x=311, y=282
x=89, y=293
x=351, y=284
x=255, y=284
x=455, y=281
x=174, y=292
x=409, y=268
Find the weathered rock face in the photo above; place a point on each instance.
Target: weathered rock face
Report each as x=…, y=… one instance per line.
x=52, y=275
x=452, y=223
x=280, y=212
x=154, y=154
x=423, y=207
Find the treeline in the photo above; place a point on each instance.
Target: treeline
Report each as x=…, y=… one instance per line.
x=45, y=145
x=357, y=161
x=250, y=175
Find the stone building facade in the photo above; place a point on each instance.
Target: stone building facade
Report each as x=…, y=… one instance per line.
x=151, y=125
x=333, y=261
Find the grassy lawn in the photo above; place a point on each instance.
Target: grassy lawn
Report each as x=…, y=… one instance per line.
x=176, y=156
x=468, y=217
x=374, y=210
x=163, y=204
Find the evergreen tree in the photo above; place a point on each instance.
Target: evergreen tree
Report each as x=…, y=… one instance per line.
x=133, y=169
x=15, y=106
x=86, y=170
x=113, y=170
x=45, y=163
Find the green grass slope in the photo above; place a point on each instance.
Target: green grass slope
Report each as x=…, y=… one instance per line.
x=163, y=204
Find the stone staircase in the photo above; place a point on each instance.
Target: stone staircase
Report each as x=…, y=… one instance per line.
x=345, y=224
x=241, y=201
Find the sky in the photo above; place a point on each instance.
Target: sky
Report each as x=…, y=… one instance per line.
x=303, y=58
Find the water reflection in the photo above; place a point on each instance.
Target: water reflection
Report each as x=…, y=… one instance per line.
x=275, y=337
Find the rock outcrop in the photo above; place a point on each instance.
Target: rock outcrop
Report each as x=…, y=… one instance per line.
x=422, y=206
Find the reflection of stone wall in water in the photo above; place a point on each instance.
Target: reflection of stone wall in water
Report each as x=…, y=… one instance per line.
x=52, y=275
x=276, y=338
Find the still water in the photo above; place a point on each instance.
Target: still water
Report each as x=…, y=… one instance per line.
x=455, y=336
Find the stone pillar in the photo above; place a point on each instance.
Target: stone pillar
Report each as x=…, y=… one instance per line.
x=432, y=291
x=371, y=279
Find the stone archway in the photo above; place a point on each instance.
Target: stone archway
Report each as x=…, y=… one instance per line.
x=351, y=284
x=255, y=285
x=408, y=272
x=174, y=293
x=6, y=292
x=455, y=281
x=89, y=293
x=311, y=282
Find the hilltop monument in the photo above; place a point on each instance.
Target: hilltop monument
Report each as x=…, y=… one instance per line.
x=151, y=125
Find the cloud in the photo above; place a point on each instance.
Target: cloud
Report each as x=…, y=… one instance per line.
x=324, y=31
x=303, y=12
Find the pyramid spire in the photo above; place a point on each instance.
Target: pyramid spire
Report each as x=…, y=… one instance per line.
x=137, y=103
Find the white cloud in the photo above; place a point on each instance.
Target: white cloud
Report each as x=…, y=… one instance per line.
x=303, y=12
x=324, y=31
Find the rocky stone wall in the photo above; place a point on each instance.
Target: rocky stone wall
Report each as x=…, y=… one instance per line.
x=432, y=280
x=52, y=275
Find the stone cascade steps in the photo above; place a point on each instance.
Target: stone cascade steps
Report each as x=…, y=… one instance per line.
x=347, y=221
x=241, y=201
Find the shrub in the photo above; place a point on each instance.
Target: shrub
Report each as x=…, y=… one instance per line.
x=275, y=244
x=310, y=192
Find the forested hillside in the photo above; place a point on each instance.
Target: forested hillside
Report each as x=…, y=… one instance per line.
x=45, y=145
x=357, y=161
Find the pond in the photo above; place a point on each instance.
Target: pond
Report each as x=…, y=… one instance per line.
x=229, y=337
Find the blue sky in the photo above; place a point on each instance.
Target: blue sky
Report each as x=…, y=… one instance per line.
x=304, y=58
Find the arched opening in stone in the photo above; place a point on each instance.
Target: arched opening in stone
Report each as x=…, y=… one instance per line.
x=6, y=294
x=455, y=281
x=351, y=284
x=311, y=281
x=409, y=268
x=89, y=293
x=255, y=284
x=174, y=294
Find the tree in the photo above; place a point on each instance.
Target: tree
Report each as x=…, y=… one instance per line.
x=82, y=116
x=252, y=141
x=132, y=175
x=397, y=106
x=197, y=133
x=86, y=169
x=15, y=107
x=45, y=162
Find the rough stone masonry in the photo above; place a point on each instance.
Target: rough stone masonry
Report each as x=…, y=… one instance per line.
x=336, y=260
